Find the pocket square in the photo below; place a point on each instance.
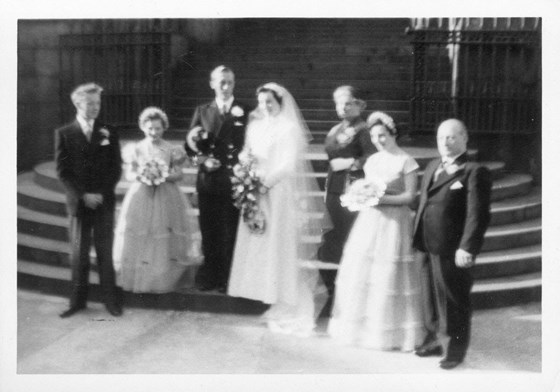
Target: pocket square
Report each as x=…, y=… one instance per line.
x=456, y=185
x=238, y=123
x=105, y=142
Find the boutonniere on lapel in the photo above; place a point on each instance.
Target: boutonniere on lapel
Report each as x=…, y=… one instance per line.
x=346, y=136
x=105, y=134
x=237, y=112
x=453, y=168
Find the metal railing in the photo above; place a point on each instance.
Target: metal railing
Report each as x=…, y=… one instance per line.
x=490, y=78
x=132, y=67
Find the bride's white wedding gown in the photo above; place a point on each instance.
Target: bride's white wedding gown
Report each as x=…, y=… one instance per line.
x=266, y=266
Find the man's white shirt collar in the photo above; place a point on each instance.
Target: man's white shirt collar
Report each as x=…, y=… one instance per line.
x=85, y=124
x=227, y=103
x=450, y=160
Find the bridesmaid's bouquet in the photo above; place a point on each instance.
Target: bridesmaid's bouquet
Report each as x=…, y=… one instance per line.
x=247, y=186
x=362, y=194
x=153, y=172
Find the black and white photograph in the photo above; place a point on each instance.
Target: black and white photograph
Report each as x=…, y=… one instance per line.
x=280, y=197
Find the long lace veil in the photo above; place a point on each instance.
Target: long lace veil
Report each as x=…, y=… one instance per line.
x=309, y=202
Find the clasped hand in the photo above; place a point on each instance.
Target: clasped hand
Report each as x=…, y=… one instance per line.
x=92, y=200
x=463, y=259
x=338, y=164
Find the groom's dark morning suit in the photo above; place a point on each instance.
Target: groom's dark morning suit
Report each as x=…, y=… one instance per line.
x=218, y=217
x=453, y=212
x=89, y=167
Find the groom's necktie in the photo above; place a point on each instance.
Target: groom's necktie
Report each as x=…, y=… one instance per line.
x=224, y=110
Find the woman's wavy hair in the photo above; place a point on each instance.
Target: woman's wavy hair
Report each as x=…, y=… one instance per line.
x=381, y=118
x=153, y=113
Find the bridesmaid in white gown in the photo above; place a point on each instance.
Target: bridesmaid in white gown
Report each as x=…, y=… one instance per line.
x=266, y=266
x=157, y=238
x=377, y=298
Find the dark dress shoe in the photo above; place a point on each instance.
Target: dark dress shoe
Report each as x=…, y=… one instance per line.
x=71, y=311
x=450, y=363
x=114, y=310
x=434, y=351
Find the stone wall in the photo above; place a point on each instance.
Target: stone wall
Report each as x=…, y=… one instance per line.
x=38, y=90
x=39, y=98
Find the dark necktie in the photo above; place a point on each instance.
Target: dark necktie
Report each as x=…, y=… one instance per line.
x=89, y=130
x=442, y=166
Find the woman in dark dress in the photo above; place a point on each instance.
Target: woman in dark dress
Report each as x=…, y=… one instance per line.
x=348, y=145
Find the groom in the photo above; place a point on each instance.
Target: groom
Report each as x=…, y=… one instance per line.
x=452, y=218
x=216, y=137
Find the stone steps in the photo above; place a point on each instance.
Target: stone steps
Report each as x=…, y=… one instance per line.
x=34, y=226
x=522, y=209
x=304, y=87
x=489, y=293
x=310, y=57
x=188, y=101
x=42, y=191
x=183, y=114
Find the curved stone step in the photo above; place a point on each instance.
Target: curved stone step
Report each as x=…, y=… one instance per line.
x=513, y=235
x=517, y=209
x=45, y=173
x=183, y=100
x=38, y=198
x=508, y=262
x=500, y=292
x=54, y=249
x=496, y=169
x=511, y=185
x=43, y=199
x=487, y=293
x=54, y=225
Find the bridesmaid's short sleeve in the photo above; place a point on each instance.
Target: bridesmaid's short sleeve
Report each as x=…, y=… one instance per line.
x=178, y=154
x=129, y=153
x=410, y=165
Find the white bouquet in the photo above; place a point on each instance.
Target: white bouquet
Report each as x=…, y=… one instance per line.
x=153, y=172
x=362, y=194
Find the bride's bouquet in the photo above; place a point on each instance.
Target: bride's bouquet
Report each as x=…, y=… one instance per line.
x=247, y=187
x=362, y=194
x=153, y=172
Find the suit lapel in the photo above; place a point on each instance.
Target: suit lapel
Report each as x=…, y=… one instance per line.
x=78, y=134
x=95, y=135
x=214, y=118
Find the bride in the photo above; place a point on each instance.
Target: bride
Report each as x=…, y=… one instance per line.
x=266, y=265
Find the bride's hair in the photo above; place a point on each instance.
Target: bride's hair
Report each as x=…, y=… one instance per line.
x=267, y=89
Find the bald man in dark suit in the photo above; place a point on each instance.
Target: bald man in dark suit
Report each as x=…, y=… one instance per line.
x=453, y=215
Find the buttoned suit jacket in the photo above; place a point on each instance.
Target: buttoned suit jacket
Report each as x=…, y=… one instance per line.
x=87, y=167
x=226, y=136
x=454, y=210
